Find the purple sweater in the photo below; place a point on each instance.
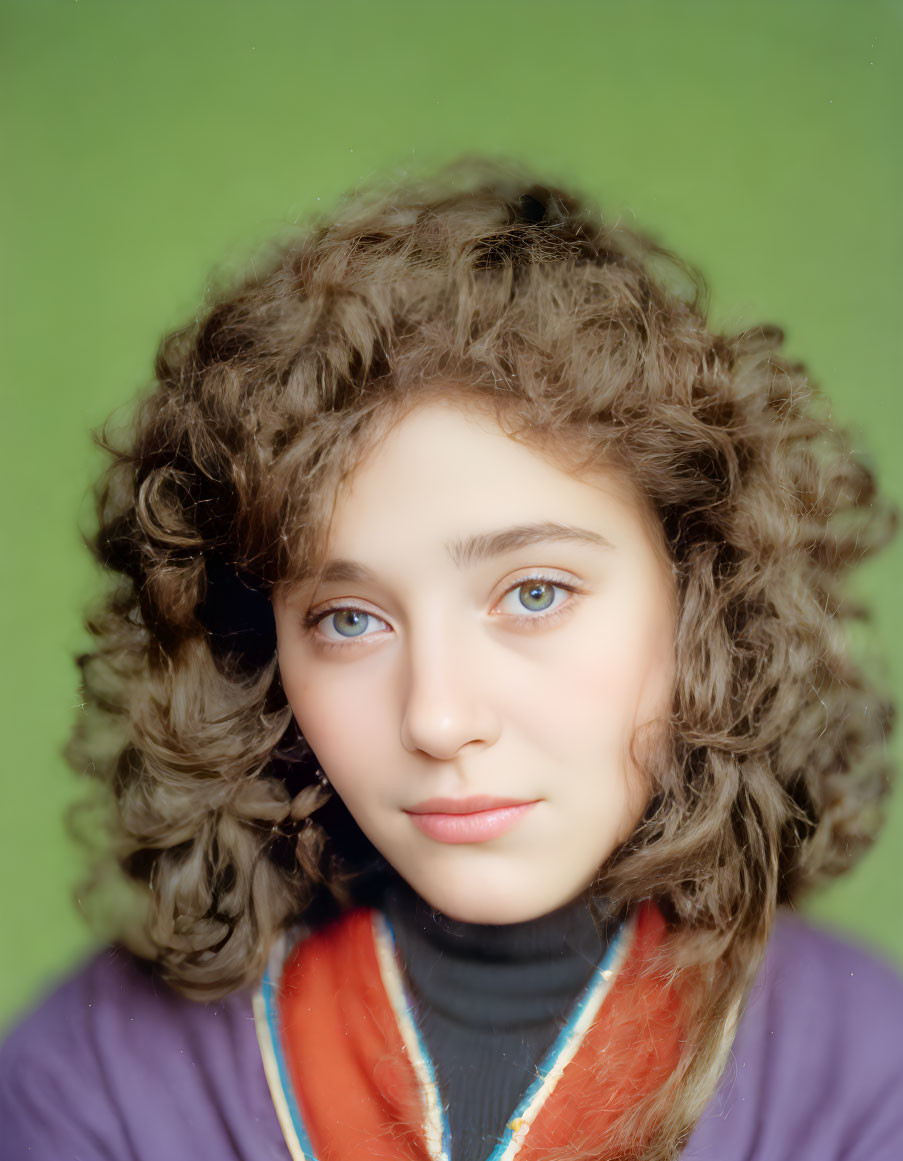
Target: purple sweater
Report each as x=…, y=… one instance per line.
x=112, y=1067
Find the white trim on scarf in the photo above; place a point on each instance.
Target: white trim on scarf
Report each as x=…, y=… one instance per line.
x=275, y=1066
x=565, y=1047
x=435, y=1127
x=549, y=1072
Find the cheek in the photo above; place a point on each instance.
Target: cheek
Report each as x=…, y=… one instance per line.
x=613, y=677
x=613, y=682
x=342, y=728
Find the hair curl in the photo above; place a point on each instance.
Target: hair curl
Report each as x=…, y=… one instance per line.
x=591, y=340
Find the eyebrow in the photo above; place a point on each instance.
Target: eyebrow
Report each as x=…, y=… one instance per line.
x=482, y=546
x=346, y=570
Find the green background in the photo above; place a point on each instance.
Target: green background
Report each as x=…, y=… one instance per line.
x=150, y=145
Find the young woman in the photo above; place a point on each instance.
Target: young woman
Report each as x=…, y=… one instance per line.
x=472, y=693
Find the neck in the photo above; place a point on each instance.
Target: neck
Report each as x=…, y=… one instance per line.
x=504, y=976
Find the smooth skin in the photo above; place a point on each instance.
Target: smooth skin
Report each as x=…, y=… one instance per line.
x=488, y=629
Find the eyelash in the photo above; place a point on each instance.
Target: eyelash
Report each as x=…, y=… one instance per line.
x=313, y=620
x=525, y=620
x=528, y=620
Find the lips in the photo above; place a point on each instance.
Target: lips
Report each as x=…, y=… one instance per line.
x=468, y=820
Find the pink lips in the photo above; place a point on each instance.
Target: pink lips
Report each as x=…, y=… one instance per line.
x=467, y=820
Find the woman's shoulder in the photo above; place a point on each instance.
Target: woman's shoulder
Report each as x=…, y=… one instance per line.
x=114, y=1064
x=816, y=1070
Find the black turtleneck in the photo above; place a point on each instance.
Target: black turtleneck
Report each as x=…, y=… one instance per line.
x=490, y=1003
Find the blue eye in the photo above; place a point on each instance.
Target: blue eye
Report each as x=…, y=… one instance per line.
x=348, y=624
x=536, y=596
x=533, y=597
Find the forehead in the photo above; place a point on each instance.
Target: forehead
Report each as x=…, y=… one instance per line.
x=449, y=467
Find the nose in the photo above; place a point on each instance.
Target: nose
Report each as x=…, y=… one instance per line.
x=446, y=706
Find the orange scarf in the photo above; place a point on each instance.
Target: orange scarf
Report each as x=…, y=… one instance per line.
x=351, y=1078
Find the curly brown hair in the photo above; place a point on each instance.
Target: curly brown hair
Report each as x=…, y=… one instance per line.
x=592, y=341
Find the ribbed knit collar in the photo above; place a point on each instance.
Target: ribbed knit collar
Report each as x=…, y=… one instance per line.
x=495, y=977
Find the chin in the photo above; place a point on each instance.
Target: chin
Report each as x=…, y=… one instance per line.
x=487, y=913
x=492, y=910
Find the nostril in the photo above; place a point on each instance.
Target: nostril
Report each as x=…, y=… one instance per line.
x=442, y=727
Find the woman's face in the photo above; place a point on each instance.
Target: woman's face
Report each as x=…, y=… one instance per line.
x=488, y=636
